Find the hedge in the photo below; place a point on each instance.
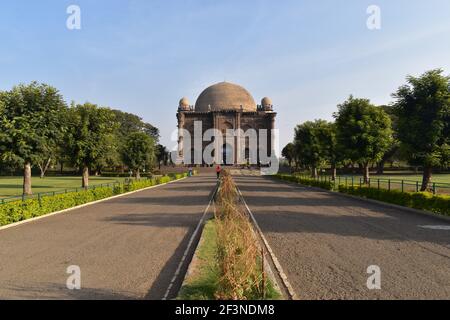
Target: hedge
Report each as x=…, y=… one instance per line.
x=439, y=204
x=328, y=185
x=22, y=210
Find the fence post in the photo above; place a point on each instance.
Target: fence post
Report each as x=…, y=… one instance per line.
x=39, y=199
x=417, y=186
x=360, y=182
x=434, y=188
x=403, y=186
x=389, y=184
x=353, y=181
x=378, y=183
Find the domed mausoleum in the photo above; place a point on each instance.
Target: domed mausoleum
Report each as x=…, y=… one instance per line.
x=224, y=106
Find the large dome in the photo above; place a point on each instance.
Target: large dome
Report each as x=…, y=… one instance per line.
x=225, y=96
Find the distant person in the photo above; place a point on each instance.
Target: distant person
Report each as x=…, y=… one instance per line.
x=218, y=171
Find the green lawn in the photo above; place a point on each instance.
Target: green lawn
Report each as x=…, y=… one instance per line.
x=12, y=186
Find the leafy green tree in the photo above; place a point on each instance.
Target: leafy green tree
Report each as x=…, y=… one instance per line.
x=138, y=152
x=393, y=153
x=311, y=144
x=30, y=126
x=288, y=153
x=162, y=155
x=364, y=132
x=128, y=124
x=332, y=152
x=90, y=139
x=423, y=110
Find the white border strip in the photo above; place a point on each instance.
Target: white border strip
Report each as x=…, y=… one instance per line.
x=16, y=224
x=186, y=252
x=281, y=273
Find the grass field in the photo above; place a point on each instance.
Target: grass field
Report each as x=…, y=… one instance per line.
x=12, y=186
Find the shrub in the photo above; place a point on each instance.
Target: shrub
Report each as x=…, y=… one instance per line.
x=328, y=185
x=22, y=210
x=439, y=204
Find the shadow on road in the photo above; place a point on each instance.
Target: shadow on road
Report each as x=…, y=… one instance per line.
x=283, y=208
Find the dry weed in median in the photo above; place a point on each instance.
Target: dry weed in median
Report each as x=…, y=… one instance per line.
x=239, y=258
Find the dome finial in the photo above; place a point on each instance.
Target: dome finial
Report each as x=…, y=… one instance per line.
x=266, y=104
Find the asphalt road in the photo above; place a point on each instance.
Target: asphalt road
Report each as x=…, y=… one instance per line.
x=325, y=243
x=126, y=248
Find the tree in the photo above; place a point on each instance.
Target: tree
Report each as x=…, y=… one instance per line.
x=310, y=144
x=162, y=155
x=423, y=110
x=90, y=138
x=392, y=153
x=332, y=152
x=128, y=124
x=364, y=132
x=138, y=152
x=30, y=126
x=289, y=153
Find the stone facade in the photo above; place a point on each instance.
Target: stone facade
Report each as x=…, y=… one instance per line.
x=237, y=110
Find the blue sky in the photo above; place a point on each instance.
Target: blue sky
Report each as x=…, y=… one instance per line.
x=142, y=56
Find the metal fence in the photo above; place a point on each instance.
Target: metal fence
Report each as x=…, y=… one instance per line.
x=382, y=183
x=40, y=195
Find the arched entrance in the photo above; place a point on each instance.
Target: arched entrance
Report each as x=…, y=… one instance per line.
x=227, y=154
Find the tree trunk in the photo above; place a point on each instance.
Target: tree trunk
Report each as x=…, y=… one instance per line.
x=380, y=167
x=27, y=179
x=85, y=178
x=366, y=173
x=314, y=172
x=138, y=174
x=44, y=168
x=427, y=173
x=333, y=172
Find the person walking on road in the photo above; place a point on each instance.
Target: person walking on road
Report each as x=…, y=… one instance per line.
x=218, y=171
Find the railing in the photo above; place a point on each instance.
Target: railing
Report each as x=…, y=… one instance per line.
x=40, y=195
x=380, y=183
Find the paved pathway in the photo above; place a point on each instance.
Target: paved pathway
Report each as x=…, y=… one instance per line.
x=325, y=243
x=127, y=248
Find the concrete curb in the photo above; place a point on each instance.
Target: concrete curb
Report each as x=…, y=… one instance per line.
x=198, y=230
x=16, y=224
x=281, y=274
x=385, y=204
